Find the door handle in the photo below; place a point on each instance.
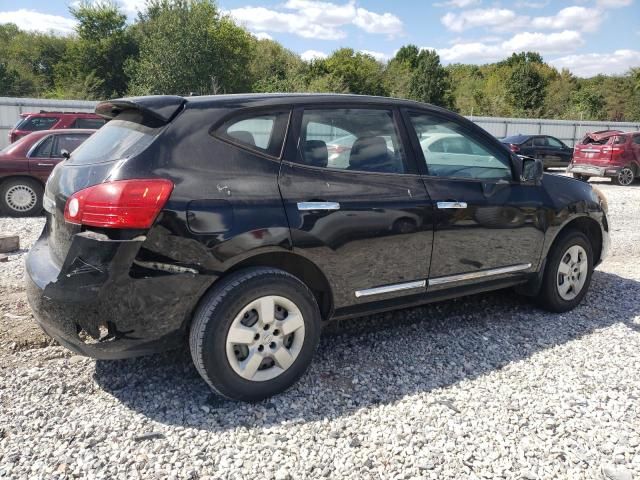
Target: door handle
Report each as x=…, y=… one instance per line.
x=45, y=164
x=445, y=205
x=307, y=206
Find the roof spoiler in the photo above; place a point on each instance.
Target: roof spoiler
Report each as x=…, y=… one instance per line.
x=160, y=107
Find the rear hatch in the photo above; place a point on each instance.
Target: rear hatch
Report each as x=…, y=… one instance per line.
x=102, y=158
x=597, y=148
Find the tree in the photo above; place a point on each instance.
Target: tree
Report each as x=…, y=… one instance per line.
x=430, y=81
x=187, y=46
x=274, y=68
x=526, y=88
x=589, y=103
x=93, y=66
x=558, y=103
x=357, y=72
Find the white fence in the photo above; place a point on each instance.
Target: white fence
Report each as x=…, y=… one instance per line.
x=11, y=108
x=569, y=131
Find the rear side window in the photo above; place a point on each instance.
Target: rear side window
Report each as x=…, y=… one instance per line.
x=123, y=137
x=33, y=124
x=263, y=132
x=88, y=123
x=67, y=142
x=351, y=139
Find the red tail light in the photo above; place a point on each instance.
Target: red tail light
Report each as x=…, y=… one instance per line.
x=119, y=204
x=514, y=148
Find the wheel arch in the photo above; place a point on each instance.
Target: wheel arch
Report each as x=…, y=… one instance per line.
x=590, y=227
x=3, y=180
x=298, y=266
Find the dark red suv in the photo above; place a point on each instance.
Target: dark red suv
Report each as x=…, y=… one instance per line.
x=26, y=164
x=609, y=153
x=31, y=122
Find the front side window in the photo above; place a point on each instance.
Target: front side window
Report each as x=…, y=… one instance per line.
x=33, y=124
x=68, y=143
x=44, y=149
x=451, y=151
x=554, y=143
x=351, y=139
x=540, y=142
x=263, y=132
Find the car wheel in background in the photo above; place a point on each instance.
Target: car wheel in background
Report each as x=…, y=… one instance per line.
x=582, y=178
x=254, y=334
x=625, y=177
x=567, y=273
x=21, y=197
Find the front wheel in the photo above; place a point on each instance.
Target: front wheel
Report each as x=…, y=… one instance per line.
x=21, y=197
x=255, y=333
x=567, y=272
x=625, y=177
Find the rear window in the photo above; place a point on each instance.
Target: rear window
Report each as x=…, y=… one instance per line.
x=88, y=123
x=263, y=132
x=121, y=138
x=33, y=124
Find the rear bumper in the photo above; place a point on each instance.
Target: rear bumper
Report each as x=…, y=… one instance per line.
x=95, y=307
x=594, y=171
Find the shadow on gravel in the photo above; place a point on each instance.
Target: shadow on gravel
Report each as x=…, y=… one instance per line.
x=376, y=360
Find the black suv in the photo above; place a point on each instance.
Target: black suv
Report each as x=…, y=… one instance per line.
x=226, y=220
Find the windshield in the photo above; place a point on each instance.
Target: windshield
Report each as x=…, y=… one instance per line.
x=120, y=138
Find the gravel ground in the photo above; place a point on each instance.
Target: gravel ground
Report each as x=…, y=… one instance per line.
x=482, y=387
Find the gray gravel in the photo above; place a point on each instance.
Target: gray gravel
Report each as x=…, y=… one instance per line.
x=482, y=387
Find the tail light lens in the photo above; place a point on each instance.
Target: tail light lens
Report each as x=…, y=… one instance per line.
x=119, y=204
x=514, y=148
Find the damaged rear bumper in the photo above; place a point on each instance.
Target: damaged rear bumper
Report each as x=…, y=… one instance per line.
x=97, y=305
x=593, y=170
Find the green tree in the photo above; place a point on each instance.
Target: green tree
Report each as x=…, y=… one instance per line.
x=430, y=81
x=589, y=103
x=187, y=46
x=355, y=71
x=93, y=66
x=526, y=88
x=275, y=69
x=557, y=102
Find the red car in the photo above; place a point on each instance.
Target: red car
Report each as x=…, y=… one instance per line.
x=26, y=164
x=609, y=153
x=31, y=122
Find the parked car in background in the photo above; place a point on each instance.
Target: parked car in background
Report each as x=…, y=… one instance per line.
x=219, y=221
x=550, y=150
x=608, y=153
x=26, y=164
x=43, y=120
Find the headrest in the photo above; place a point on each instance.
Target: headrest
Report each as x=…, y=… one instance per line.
x=315, y=153
x=370, y=152
x=243, y=136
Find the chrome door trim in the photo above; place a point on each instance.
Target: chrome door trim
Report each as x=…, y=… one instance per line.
x=45, y=164
x=446, y=205
x=307, y=206
x=481, y=274
x=391, y=288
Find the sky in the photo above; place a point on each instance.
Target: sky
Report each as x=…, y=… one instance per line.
x=586, y=36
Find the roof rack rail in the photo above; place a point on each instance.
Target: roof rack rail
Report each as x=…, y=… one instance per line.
x=59, y=111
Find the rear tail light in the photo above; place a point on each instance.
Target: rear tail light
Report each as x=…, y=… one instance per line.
x=119, y=204
x=514, y=148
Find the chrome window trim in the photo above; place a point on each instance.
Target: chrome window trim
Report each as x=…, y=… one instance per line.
x=391, y=288
x=481, y=274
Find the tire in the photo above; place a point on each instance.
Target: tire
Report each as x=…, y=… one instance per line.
x=625, y=177
x=582, y=178
x=551, y=297
x=21, y=197
x=255, y=368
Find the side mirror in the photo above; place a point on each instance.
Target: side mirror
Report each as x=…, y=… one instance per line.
x=65, y=154
x=532, y=170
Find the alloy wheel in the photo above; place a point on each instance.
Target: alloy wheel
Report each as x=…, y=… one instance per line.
x=265, y=338
x=572, y=272
x=625, y=176
x=20, y=198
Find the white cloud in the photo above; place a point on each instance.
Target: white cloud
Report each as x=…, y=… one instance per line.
x=614, y=3
x=458, y=3
x=132, y=7
x=316, y=19
x=559, y=42
x=36, y=21
x=262, y=36
x=379, y=56
x=481, y=17
x=591, y=64
x=585, y=19
x=312, y=55
x=527, y=4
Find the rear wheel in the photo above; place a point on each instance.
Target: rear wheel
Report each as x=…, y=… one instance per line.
x=255, y=334
x=21, y=197
x=625, y=177
x=567, y=272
